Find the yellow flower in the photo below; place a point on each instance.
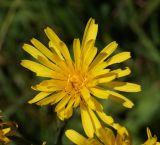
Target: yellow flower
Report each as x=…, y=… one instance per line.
x=152, y=140
x=105, y=137
x=3, y=135
x=80, y=80
x=5, y=132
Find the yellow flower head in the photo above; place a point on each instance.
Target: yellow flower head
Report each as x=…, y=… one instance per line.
x=152, y=140
x=105, y=137
x=5, y=131
x=78, y=81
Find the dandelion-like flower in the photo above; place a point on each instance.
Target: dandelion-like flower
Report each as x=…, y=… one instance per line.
x=152, y=140
x=6, y=131
x=78, y=81
x=106, y=137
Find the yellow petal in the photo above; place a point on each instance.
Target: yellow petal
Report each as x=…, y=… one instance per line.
x=59, y=97
x=90, y=58
x=105, y=118
x=49, y=85
x=120, y=129
x=75, y=137
x=106, y=52
x=85, y=93
x=39, y=97
x=50, y=89
x=69, y=109
x=77, y=101
x=59, y=65
x=32, y=51
x=38, y=55
x=96, y=123
x=43, y=49
x=149, y=134
x=98, y=67
x=47, y=100
x=55, y=49
x=6, y=140
x=118, y=58
x=102, y=94
x=40, y=70
x=77, y=53
x=61, y=114
x=123, y=86
x=49, y=64
x=66, y=54
x=122, y=72
x=105, y=94
x=107, y=136
x=36, y=67
x=53, y=82
x=59, y=46
x=99, y=73
x=86, y=121
x=120, y=98
x=63, y=66
x=90, y=32
x=93, y=141
x=6, y=130
x=94, y=104
x=89, y=49
x=106, y=78
x=70, y=103
x=92, y=83
x=62, y=103
x=65, y=114
x=52, y=35
x=151, y=141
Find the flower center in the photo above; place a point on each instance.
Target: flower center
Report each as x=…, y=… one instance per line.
x=75, y=82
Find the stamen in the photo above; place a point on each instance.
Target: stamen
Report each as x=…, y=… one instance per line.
x=74, y=83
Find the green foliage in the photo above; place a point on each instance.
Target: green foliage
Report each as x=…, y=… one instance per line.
x=132, y=23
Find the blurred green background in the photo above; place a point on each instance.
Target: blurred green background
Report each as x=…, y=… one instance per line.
x=134, y=24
